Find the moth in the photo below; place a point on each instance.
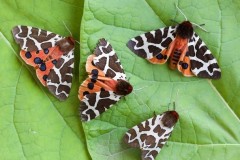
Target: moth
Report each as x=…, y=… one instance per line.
x=185, y=49
x=106, y=82
x=151, y=135
x=50, y=54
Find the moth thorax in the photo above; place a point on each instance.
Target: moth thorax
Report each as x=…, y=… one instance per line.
x=66, y=44
x=123, y=87
x=170, y=118
x=185, y=30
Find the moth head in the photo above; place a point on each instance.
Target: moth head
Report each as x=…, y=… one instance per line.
x=123, y=87
x=170, y=118
x=66, y=44
x=185, y=30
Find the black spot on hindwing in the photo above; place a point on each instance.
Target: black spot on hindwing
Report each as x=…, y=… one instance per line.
x=38, y=60
x=54, y=61
x=159, y=56
x=85, y=93
x=94, y=72
x=45, y=77
x=184, y=65
x=90, y=85
x=43, y=67
x=46, y=51
x=28, y=55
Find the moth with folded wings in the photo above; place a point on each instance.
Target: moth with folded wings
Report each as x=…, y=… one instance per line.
x=106, y=82
x=50, y=54
x=151, y=135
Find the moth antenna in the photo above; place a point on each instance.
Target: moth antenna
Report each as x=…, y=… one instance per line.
x=185, y=109
x=191, y=22
x=69, y=31
x=174, y=106
x=67, y=28
x=77, y=42
x=176, y=100
x=181, y=12
x=140, y=88
x=141, y=100
x=169, y=105
x=154, y=114
x=195, y=24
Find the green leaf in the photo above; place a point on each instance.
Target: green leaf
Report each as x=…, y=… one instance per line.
x=209, y=115
x=33, y=123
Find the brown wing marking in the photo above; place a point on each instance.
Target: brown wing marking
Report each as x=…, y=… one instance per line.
x=92, y=105
x=90, y=66
x=33, y=39
x=131, y=135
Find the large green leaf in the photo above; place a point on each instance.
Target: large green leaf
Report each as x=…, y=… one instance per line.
x=209, y=123
x=33, y=123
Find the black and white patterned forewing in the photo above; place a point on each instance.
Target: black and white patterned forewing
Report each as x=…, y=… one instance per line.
x=107, y=60
x=203, y=64
x=34, y=39
x=149, y=136
x=94, y=104
x=59, y=80
x=150, y=44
